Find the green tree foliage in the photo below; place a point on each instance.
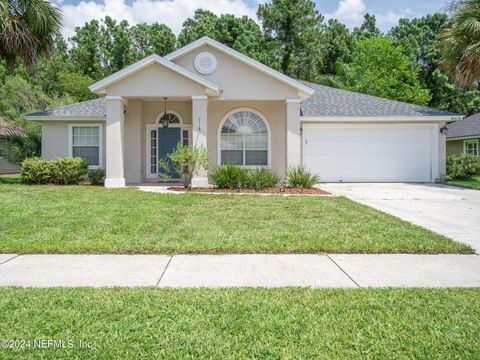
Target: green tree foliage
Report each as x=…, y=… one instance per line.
x=239, y=33
x=417, y=37
x=102, y=48
x=151, y=39
x=18, y=96
x=27, y=30
x=368, y=29
x=337, y=45
x=380, y=68
x=116, y=44
x=87, y=54
x=294, y=27
x=460, y=44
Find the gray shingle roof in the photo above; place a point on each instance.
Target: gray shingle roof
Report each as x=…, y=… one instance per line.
x=90, y=108
x=328, y=101
x=469, y=126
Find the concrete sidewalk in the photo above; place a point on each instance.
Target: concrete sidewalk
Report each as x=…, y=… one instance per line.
x=180, y=271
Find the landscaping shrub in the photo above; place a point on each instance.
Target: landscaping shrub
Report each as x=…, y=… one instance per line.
x=67, y=171
x=462, y=167
x=262, y=178
x=96, y=176
x=229, y=176
x=36, y=171
x=63, y=171
x=301, y=177
x=186, y=161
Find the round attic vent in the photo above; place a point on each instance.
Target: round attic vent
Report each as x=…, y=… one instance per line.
x=205, y=63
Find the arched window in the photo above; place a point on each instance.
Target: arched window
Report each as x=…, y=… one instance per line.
x=244, y=139
x=171, y=117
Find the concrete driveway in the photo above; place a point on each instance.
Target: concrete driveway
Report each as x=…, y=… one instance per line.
x=450, y=211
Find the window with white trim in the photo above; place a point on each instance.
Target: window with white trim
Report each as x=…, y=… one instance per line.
x=244, y=140
x=470, y=147
x=86, y=144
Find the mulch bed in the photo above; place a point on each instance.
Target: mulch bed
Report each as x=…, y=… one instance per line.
x=274, y=190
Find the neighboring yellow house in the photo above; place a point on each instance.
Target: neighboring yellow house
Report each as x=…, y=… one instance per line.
x=247, y=114
x=464, y=136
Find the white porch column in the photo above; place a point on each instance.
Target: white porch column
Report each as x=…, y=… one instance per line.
x=199, y=133
x=114, y=147
x=294, y=138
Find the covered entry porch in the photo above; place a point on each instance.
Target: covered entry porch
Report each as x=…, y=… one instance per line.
x=140, y=132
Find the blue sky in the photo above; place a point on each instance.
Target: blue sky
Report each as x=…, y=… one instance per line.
x=174, y=12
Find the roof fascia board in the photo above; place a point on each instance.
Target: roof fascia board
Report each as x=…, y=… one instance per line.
x=463, y=137
x=305, y=90
x=429, y=118
x=100, y=86
x=65, y=118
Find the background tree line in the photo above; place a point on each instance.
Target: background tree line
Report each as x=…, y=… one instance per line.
x=409, y=63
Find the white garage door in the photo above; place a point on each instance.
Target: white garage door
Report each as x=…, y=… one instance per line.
x=369, y=153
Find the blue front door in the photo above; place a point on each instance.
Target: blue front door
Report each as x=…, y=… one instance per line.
x=168, y=138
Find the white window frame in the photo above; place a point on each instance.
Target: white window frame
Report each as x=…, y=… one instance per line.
x=100, y=143
x=467, y=142
x=269, y=138
x=155, y=126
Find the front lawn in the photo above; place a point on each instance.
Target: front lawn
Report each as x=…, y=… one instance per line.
x=472, y=183
x=242, y=323
x=88, y=219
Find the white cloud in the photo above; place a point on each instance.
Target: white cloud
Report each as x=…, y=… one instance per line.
x=386, y=20
x=350, y=12
x=170, y=12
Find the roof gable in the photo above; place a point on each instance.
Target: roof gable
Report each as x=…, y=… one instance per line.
x=100, y=86
x=305, y=91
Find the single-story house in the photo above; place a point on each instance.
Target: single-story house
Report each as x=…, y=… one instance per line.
x=245, y=113
x=463, y=136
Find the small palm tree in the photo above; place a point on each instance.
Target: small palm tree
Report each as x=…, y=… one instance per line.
x=22, y=145
x=460, y=44
x=27, y=30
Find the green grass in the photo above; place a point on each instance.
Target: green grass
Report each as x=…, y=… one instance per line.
x=244, y=323
x=472, y=183
x=87, y=219
x=10, y=179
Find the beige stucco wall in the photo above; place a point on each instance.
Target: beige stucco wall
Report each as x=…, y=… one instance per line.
x=155, y=81
x=273, y=111
x=237, y=80
x=55, y=138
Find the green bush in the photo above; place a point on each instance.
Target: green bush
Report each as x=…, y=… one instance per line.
x=301, y=177
x=96, y=176
x=262, y=178
x=462, y=167
x=229, y=176
x=63, y=171
x=36, y=171
x=186, y=161
x=67, y=171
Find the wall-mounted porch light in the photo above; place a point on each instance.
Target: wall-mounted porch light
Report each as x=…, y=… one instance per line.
x=444, y=130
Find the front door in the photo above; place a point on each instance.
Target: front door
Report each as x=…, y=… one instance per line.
x=168, y=138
